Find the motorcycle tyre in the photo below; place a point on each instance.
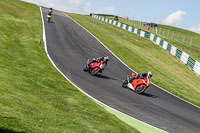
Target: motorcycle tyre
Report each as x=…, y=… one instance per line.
x=48, y=19
x=85, y=69
x=94, y=72
x=140, y=90
x=125, y=83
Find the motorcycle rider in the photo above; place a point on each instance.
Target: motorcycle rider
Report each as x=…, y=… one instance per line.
x=103, y=59
x=50, y=11
x=141, y=75
x=49, y=15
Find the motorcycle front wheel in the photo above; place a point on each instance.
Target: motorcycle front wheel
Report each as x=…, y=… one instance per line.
x=139, y=89
x=94, y=72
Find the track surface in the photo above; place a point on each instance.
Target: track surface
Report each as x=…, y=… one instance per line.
x=69, y=46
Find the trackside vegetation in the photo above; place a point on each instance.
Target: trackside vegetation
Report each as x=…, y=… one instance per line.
x=143, y=56
x=193, y=49
x=34, y=96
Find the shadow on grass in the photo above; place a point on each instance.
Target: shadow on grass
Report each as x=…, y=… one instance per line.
x=2, y=130
x=8, y=120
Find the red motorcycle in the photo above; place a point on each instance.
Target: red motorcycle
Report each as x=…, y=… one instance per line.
x=137, y=85
x=95, y=67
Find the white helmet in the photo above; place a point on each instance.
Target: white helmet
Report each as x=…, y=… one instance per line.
x=149, y=74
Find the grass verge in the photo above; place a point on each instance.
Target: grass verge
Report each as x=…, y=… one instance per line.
x=144, y=128
x=34, y=97
x=193, y=50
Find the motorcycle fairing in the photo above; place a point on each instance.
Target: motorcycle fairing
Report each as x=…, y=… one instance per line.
x=130, y=86
x=137, y=82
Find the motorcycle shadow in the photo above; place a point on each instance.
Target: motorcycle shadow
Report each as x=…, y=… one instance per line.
x=105, y=77
x=149, y=95
x=50, y=22
x=146, y=94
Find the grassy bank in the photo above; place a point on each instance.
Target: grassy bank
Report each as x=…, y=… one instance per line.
x=178, y=34
x=142, y=55
x=34, y=97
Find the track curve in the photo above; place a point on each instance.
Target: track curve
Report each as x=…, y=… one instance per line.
x=69, y=46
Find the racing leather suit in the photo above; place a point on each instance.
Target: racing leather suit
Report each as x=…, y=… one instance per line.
x=94, y=60
x=97, y=60
x=140, y=75
x=50, y=12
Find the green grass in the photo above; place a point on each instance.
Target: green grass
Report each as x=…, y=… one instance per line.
x=193, y=50
x=143, y=56
x=34, y=96
x=140, y=126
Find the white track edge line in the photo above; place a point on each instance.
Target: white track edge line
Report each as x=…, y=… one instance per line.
x=44, y=39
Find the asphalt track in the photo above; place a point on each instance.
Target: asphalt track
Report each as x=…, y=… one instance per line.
x=69, y=46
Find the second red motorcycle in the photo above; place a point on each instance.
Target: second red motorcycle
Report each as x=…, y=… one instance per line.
x=137, y=85
x=94, y=67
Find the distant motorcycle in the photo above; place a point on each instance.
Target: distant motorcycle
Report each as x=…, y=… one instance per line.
x=137, y=85
x=48, y=18
x=95, y=67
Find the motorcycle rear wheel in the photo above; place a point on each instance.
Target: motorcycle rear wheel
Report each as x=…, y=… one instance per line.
x=85, y=69
x=125, y=83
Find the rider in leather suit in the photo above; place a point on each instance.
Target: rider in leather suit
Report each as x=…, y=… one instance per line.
x=104, y=59
x=50, y=11
x=141, y=75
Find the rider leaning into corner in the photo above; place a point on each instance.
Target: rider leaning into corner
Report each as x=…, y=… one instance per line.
x=103, y=59
x=50, y=11
x=141, y=75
